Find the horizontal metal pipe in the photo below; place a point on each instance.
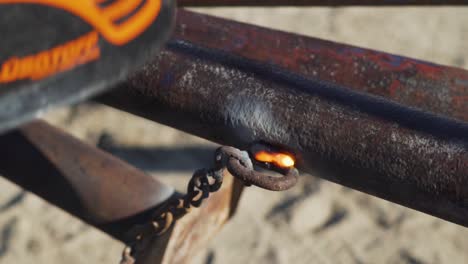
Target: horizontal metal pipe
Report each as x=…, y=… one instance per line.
x=191, y=3
x=365, y=142
x=84, y=181
x=402, y=155
x=427, y=86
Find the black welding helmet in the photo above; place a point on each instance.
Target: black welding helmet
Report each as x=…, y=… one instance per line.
x=56, y=52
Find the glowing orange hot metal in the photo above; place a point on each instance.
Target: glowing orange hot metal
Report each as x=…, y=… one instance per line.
x=279, y=159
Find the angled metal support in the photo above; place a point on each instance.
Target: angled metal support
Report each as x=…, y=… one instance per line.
x=107, y=192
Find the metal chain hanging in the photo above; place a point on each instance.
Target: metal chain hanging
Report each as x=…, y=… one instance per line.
x=202, y=183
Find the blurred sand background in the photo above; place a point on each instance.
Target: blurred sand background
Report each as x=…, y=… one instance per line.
x=316, y=222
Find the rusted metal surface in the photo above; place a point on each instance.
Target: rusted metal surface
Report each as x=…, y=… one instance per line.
x=108, y=193
x=362, y=141
x=431, y=87
x=84, y=181
x=240, y=166
x=202, y=185
x=189, y=3
x=192, y=232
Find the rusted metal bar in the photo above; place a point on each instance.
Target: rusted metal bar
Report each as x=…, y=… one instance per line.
x=193, y=232
x=84, y=181
x=431, y=87
x=191, y=3
x=108, y=193
x=407, y=156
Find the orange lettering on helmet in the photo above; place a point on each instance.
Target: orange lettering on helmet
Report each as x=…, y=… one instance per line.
x=9, y=70
x=58, y=59
x=119, y=23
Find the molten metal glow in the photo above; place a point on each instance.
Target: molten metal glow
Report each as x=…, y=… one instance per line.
x=279, y=159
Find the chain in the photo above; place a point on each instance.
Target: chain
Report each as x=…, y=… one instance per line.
x=202, y=183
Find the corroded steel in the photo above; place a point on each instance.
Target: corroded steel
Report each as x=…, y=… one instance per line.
x=240, y=166
x=192, y=233
x=82, y=180
x=431, y=87
x=366, y=142
x=108, y=193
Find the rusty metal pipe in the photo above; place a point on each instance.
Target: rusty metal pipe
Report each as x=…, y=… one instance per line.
x=362, y=141
x=84, y=181
x=192, y=3
x=400, y=154
x=427, y=86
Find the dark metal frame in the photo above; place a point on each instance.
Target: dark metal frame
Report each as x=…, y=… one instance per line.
x=387, y=125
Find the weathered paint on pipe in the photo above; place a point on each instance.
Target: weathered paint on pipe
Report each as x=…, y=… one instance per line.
x=365, y=142
x=427, y=86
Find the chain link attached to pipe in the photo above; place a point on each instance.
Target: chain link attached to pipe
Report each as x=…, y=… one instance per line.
x=202, y=183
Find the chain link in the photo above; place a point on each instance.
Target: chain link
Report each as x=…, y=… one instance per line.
x=202, y=183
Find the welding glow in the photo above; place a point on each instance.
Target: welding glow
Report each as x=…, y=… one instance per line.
x=279, y=159
x=286, y=160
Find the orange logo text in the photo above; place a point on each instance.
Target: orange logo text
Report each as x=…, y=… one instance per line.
x=58, y=59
